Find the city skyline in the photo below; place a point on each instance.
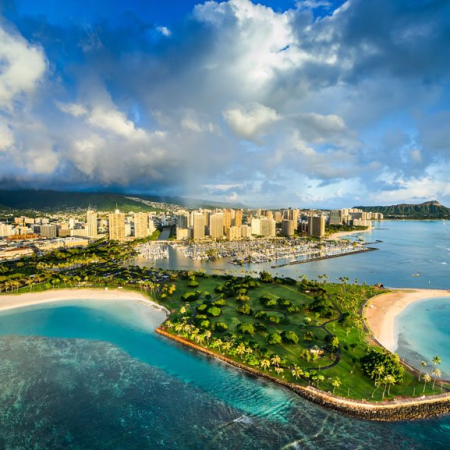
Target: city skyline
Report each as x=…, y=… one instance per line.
x=270, y=103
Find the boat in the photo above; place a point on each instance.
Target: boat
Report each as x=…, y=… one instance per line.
x=416, y=274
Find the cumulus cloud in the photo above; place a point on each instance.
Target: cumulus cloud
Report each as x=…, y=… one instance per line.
x=252, y=121
x=333, y=102
x=22, y=67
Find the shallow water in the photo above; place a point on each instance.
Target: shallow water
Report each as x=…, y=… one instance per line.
x=424, y=332
x=95, y=376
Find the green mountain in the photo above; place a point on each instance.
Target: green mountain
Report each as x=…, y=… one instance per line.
x=428, y=210
x=46, y=200
x=37, y=200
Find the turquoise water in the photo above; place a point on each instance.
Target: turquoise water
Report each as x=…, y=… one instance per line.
x=407, y=248
x=94, y=375
x=424, y=332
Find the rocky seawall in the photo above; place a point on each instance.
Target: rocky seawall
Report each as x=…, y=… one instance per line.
x=389, y=411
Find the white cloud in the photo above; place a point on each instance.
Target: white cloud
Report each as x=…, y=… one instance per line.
x=22, y=67
x=251, y=121
x=74, y=109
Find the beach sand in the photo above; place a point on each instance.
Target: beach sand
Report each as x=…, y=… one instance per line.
x=342, y=234
x=381, y=311
x=34, y=298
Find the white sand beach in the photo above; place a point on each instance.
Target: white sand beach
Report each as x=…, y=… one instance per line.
x=342, y=234
x=381, y=311
x=33, y=298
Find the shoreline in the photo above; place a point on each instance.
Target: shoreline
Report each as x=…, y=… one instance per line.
x=341, y=234
x=13, y=301
x=388, y=411
x=380, y=312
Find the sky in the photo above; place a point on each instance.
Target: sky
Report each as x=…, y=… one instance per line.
x=276, y=103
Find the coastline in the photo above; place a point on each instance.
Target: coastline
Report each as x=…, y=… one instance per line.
x=381, y=311
x=341, y=234
x=12, y=301
x=386, y=411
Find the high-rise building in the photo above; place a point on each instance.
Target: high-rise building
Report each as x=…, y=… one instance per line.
x=335, y=217
x=140, y=225
x=198, y=225
x=117, y=226
x=268, y=227
x=256, y=227
x=227, y=218
x=233, y=233
x=92, y=226
x=48, y=231
x=182, y=217
x=238, y=218
x=246, y=231
x=216, y=225
x=287, y=228
x=278, y=216
x=316, y=226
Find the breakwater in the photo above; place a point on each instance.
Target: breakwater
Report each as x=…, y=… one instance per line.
x=388, y=411
x=320, y=258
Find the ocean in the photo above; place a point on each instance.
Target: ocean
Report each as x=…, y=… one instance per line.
x=94, y=375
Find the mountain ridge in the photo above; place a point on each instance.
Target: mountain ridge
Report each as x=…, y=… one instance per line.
x=430, y=209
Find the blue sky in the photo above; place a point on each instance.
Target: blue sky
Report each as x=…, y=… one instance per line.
x=272, y=103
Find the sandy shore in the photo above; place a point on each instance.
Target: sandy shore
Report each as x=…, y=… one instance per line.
x=381, y=311
x=34, y=298
x=342, y=234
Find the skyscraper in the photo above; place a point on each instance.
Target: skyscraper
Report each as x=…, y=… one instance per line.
x=117, y=226
x=238, y=218
x=92, y=228
x=140, y=225
x=227, y=217
x=198, y=225
x=216, y=225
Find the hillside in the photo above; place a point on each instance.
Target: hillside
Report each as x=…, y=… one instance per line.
x=47, y=200
x=428, y=210
x=58, y=201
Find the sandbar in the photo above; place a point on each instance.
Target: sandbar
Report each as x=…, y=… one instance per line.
x=381, y=311
x=11, y=301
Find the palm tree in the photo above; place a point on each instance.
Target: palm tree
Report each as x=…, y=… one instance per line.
x=437, y=374
x=426, y=379
x=279, y=370
x=423, y=364
x=275, y=360
x=227, y=346
x=265, y=364
x=240, y=349
x=436, y=360
x=336, y=383
x=297, y=372
x=388, y=380
x=319, y=378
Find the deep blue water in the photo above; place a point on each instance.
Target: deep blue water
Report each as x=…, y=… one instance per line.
x=95, y=376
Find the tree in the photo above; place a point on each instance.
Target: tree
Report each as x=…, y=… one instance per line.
x=274, y=339
x=436, y=374
x=265, y=364
x=275, y=360
x=289, y=337
x=246, y=328
x=426, y=379
x=376, y=358
x=388, y=380
x=436, y=360
x=423, y=364
x=297, y=372
x=336, y=383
